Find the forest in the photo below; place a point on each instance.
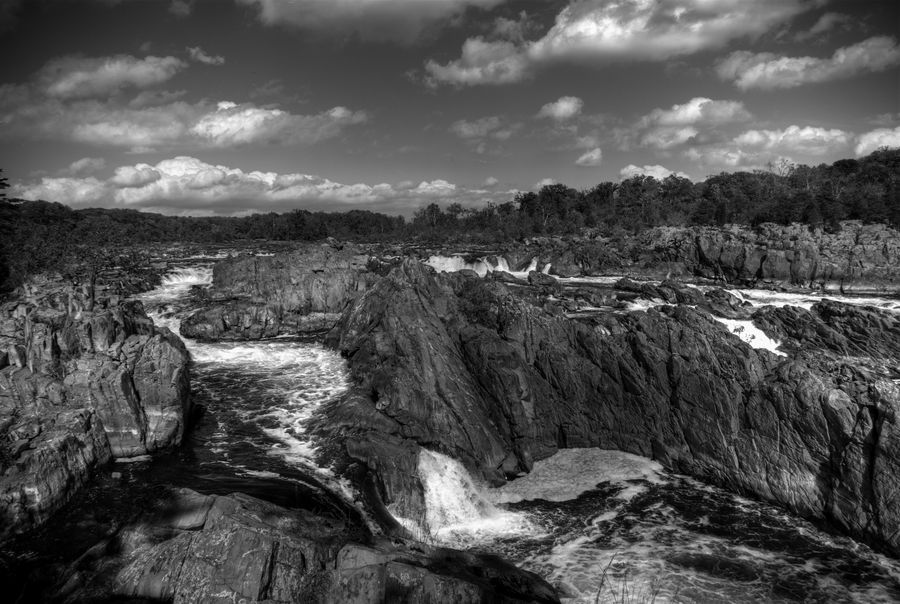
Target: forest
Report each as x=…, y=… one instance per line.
x=37, y=236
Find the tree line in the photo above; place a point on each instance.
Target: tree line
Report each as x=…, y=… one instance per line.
x=37, y=236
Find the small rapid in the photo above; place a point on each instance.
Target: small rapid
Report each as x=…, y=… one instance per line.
x=607, y=526
x=481, y=266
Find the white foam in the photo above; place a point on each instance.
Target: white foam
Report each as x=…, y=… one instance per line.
x=482, y=266
x=176, y=283
x=457, y=512
x=570, y=472
x=762, y=297
x=752, y=335
x=643, y=305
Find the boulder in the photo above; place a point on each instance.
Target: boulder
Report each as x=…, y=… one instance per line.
x=206, y=549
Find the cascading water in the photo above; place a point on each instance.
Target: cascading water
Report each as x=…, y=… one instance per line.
x=482, y=266
x=607, y=526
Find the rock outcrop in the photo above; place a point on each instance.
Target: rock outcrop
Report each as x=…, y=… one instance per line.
x=205, y=549
x=465, y=366
x=299, y=292
x=860, y=258
x=82, y=381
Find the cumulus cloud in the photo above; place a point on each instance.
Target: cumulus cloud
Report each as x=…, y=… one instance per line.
x=482, y=62
x=394, y=20
x=755, y=148
x=86, y=165
x=153, y=120
x=545, y=182
x=490, y=181
x=80, y=77
x=656, y=171
x=598, y=31
x=875, y=139
x=484, y=134
x=199, y=55
x=667, y=128
x=564, y=108
x=187, y=185
x=594, y=157
x=232, y=124
x=769, y=71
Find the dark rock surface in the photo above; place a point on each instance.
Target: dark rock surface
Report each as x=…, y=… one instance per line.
x=858, y=259
x=82, y=380
x=205, y=549
x=298, y=292
x=467, y=367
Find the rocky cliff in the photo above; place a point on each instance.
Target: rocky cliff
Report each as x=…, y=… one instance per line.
x=82, y=380
x=467, y=367
x=859, y=258
x=298, y=292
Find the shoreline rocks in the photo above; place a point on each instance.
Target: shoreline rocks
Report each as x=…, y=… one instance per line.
x=466, y=367
x=82, y=380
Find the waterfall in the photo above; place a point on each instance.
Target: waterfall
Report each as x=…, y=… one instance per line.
x=457, y=510
x=751, y=334
x=482, y=266
x=186, y=277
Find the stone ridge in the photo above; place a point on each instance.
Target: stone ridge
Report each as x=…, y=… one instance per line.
x=465, y=366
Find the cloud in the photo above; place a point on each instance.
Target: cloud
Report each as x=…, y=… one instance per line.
x=231, y=124
x=85, y=165
x=187, y=185
x=605, y=31
x=155, y=119
x=484, y=134
x=594, y=157
x=564, y=108
x=181, y=8
x=875, y=139
x=197, y=54
x=482, y=62
x=698, y=110
x=769, y=71
x=825, y=24
x=658, y=172
x=79, y=77
x=753, y=149
x=380, y=20
x=490, y=181
x=544, y=182
x=667, y=128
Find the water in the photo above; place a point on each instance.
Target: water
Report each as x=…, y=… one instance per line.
x=602, y=526
x=482, y=266
x=606, y=526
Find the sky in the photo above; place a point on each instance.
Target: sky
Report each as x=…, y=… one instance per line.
x=228, y=107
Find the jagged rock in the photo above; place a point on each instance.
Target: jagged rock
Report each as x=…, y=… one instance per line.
x=860, y=258
x=466, y=367
x=205, y=549
x=78, y=387
x=298, y=292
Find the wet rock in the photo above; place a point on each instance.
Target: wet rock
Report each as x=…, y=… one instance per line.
x=202, y=549
x=466, y=367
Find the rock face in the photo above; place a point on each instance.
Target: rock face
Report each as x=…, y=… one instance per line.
x=206, y=549
x=297, y=292
x=81, y=381
x=860, y=258
x=463, y=366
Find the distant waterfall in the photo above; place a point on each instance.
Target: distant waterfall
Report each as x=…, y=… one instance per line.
x=482, y=266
